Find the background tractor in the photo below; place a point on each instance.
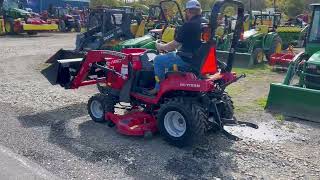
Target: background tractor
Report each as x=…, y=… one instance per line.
x=256, y=44
x=65, y=20
x=299, y=94
x=106, y=28
x=169, y=17
x=18, y=20
x=2, y=29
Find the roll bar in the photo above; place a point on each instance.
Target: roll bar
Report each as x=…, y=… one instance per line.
x=238, y=29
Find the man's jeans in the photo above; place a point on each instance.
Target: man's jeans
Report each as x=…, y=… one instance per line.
x=165, y=63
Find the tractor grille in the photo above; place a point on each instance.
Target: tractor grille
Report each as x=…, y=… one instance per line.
x=313, y=81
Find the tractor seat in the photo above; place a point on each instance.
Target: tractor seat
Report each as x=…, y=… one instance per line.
x=203, y=62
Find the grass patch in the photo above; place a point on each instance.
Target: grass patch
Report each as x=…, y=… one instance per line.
x=235, y=90
x=262, y=102
x=243, y=109
x=259, y=69
x=279, y=117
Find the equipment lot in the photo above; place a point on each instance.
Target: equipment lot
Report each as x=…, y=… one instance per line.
x=51, y=126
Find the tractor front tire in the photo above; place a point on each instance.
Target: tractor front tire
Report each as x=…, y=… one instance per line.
x=181, y=121
x=99, y=105
x=258, y=56
x=276, y=47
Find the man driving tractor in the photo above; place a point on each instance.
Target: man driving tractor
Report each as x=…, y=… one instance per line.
x=187, y=41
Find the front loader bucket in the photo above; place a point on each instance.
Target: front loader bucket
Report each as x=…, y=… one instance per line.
x=241, y=60
x=61, y=70
x=65, y=54
x=294, y=101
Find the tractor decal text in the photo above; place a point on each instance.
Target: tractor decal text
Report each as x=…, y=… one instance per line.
x=190, y=85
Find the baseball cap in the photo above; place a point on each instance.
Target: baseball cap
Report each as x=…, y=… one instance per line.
x=193, y=4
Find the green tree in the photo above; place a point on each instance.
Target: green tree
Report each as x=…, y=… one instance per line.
x=94, y=3
x=294, y=7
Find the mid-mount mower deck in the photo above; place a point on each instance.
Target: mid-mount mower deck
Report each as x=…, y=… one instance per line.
x=187, y=105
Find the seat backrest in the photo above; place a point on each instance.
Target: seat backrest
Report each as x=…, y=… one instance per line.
x=168, y=35
x=207, y=59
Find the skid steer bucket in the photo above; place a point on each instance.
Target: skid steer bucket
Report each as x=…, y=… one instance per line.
x=241, y=60
x=294, y=101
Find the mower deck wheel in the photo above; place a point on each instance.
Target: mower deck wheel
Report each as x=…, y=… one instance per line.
x=181, y=121
x=98, y=106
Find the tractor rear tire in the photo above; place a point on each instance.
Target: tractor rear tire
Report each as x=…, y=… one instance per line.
x=276, y=47
x=9, y=26
x=258, y=56
x=227, y=110
x=99, y=105
x=62, y=26
x=181, y=121
x=77, y=26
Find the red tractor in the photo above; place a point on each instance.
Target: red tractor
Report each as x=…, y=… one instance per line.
x=188, y=105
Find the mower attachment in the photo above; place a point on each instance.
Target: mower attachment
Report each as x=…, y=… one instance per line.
x=241, y=60
x=134, y=123
x=281, y=61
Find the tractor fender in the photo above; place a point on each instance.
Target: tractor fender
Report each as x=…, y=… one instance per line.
x=254, y=42
x=150, y=45
x=268, y=39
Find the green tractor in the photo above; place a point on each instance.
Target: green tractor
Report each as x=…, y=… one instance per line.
x=2, y=30
x=256, y=44
x=299, y=94
x=169, y=17
x=17, y=20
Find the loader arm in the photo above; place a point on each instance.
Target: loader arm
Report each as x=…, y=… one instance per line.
x=86, y=66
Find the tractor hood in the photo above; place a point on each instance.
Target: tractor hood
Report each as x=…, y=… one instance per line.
x=20, y=11
x=315, y=58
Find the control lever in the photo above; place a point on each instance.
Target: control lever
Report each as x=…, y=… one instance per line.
x=233, y=81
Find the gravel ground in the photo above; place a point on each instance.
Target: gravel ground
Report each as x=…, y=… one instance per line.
x=50, y=126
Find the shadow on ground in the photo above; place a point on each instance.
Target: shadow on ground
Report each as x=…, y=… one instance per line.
x=140, y=158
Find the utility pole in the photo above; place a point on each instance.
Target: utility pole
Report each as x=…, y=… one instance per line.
x=274, y=5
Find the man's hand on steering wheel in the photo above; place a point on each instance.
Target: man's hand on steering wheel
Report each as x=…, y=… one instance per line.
x=171, y=46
